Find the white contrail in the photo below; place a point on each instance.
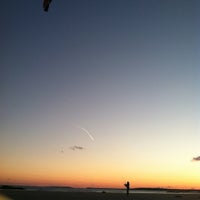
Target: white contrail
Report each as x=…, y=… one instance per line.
x=88, y=133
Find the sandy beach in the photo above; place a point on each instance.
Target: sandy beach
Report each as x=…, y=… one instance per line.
x=47, y=195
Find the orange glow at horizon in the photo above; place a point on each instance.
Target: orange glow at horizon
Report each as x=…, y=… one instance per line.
x=95, y=179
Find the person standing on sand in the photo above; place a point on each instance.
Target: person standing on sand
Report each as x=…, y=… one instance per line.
x=127, y=185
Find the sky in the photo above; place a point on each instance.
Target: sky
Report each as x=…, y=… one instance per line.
x=95, y=93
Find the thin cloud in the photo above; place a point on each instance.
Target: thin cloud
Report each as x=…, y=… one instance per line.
x=196, y=158
x=74, y=148
x=88, y=133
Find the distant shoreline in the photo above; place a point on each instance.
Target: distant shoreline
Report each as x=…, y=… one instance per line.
x=93, y=189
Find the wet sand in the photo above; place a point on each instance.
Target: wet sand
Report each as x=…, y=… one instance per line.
x=48, y=195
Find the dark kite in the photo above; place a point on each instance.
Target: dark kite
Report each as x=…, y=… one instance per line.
x=46, y=4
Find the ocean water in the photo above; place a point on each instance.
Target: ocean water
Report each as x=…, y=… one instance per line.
x=98, y=190
x=106, y=190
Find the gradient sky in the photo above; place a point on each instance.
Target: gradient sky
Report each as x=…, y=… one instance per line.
x=125, y=72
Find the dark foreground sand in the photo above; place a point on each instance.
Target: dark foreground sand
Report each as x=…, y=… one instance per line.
x=45, y=195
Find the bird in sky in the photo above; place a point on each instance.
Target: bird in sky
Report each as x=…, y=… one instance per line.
x=46, y=4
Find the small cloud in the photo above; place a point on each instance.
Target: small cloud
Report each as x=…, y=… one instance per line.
x=77, y=148
x=196, y=158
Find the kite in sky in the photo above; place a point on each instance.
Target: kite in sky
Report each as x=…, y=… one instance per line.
x=46, y=4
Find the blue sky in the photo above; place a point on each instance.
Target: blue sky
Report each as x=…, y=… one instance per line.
x=128, y=71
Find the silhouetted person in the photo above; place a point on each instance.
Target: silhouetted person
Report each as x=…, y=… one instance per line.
x=127, y=185
x=46, y=4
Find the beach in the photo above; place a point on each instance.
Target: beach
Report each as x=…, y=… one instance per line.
x=52, y=195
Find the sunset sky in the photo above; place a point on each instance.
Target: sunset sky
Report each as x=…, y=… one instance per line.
x=98, y=92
